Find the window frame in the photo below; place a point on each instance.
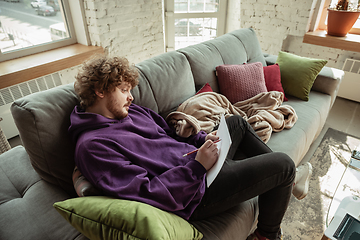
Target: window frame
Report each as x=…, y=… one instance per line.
x=75, y=25
x=170, y=17
x=320, y=22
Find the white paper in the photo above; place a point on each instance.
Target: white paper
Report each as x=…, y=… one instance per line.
x=223, y=146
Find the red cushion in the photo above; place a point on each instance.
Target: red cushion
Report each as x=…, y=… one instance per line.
x=273, y=79
x=241, y=82
x=205, y=88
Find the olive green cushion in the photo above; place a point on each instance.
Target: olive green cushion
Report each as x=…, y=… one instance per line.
x=100, y=217
x=298, y=73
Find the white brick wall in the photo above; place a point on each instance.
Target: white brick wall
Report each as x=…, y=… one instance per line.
x=281, y=25
x=274, y=20
x=129, y=28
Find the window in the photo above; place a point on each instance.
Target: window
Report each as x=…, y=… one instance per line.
x=322, y=16
x=33, y=26
x=192, y=21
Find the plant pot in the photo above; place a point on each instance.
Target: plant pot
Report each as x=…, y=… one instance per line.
x=340, y=22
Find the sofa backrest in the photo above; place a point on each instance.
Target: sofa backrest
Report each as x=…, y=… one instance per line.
x=165, y=82
x=42, y=120
x=170, y=78
x=237, y=47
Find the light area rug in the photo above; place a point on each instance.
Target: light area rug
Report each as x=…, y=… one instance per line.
x=306, y=219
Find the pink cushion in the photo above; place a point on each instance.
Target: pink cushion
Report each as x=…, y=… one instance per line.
x=273, y=79
x=241, y=82
x=205, y=88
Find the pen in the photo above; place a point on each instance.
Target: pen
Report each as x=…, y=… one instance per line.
x=198, y=149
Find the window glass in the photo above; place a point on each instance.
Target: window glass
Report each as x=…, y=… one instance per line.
x=196, y=6
x=352, y=4
x=29, y=23
x=182, y=6
x=189, y=31
x=190, y=22
x=212, y=6
x=357, y=23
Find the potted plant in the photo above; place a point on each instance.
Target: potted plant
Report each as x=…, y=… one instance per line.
x=342, y=17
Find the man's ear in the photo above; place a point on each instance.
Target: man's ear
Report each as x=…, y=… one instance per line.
x=99, y=93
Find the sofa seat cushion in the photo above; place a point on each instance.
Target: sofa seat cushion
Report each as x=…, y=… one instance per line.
x=235, y=223
x=311, y=118
x=26, y=202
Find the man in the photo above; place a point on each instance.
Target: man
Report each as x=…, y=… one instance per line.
x=130, y=152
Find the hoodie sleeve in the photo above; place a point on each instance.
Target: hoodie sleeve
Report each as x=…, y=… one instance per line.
x=177, y=190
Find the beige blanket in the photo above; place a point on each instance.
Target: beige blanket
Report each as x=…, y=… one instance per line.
x=264, y=112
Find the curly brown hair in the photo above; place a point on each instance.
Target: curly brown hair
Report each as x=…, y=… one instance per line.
x=103, y=73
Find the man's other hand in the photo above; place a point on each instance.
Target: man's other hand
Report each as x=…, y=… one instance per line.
x=212, y=136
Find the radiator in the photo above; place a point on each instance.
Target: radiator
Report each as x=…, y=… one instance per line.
x=350, y=85
x=10, y=94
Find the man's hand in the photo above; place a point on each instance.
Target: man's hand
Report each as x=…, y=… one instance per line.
x=212, y=136
x=207, y=154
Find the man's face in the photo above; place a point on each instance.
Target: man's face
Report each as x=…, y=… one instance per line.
x=118, y=101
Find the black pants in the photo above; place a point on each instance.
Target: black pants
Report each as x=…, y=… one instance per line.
x=251, y=169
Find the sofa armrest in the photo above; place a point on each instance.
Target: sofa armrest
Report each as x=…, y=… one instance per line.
x=328, y=80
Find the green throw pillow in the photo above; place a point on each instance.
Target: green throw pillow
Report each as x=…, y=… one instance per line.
x=298, y=73
x=100, y=217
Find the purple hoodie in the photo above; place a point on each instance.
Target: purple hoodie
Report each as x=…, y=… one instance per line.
x=139, y=158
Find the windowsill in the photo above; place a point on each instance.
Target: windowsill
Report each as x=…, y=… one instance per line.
x=26, y=68
x=351, y=42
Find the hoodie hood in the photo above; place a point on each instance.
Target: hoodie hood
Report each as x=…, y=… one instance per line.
x=82, y=121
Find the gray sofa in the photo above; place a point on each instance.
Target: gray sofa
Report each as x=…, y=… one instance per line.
x=37, y=174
